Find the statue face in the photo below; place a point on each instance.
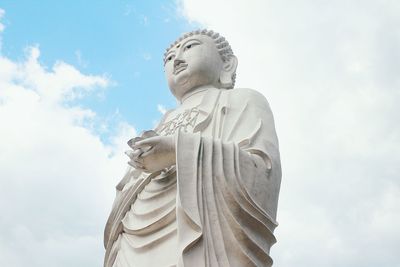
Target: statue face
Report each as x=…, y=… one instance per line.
x=192, y=63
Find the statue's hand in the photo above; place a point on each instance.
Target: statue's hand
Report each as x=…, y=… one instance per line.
x=153, y=154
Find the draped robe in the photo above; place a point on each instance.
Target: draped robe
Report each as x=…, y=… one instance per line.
x=225, y=188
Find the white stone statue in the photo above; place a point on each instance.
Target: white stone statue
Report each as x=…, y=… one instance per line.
x=202, y=188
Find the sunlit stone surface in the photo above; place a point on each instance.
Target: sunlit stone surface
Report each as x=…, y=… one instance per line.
x=202, y=188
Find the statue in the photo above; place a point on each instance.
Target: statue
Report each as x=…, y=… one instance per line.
x=202, y=187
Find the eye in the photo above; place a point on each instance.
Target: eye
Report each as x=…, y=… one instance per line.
x=169, y=58
x=191, y=45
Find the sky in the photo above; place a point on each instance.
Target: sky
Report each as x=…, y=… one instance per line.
x=80, y=78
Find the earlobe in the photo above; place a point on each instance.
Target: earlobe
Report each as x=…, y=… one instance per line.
x=228, y=71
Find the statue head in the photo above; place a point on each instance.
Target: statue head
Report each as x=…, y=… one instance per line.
x=199, y=58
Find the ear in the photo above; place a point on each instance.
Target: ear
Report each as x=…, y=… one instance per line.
x=227, y=72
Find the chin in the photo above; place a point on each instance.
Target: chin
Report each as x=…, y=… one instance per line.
x=182, y=78
x=178, y=90
x=185, y=81
x=181, y=84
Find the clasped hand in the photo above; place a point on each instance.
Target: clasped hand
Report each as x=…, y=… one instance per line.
x=153, y=153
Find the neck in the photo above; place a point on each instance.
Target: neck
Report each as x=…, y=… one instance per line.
x=194, y=91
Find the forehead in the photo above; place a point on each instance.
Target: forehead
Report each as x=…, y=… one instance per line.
x=204, y=39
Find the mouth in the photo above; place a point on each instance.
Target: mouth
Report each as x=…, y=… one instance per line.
x=179, y=68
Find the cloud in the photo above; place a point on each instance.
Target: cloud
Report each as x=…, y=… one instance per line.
x=57, y=177
x=128, y=10
x=144, y=20
x=2, y=12
x=81, y=62
x=146, y=56
x=330, y=71
x=161, y=109
x=2, y=27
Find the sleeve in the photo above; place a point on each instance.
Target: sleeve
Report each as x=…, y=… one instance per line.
x=227, y=187
x=249, y=123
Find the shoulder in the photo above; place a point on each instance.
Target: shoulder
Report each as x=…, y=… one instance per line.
x=247, y=95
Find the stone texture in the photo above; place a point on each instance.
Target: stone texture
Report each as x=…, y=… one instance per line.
x=202, y=188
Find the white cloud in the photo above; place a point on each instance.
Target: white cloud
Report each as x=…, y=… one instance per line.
x=2, y=27
x=2, y=12
x=63, y=83
x=331, y=73
x=57, y=177
x=128, y=10
x=144, y=20
x=137, y=74
x=146, y=56
x=141, y=18
x=161, y=109
x=81, y=62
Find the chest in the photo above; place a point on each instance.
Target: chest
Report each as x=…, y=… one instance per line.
x=184, y=120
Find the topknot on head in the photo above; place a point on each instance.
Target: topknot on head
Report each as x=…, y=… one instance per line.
x=221, y=43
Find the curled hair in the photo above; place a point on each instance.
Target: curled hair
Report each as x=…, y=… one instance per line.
x=223, y=47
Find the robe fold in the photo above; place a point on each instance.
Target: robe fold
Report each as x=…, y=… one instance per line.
x=227, y=185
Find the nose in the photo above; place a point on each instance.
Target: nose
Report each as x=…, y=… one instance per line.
x=178, y=61
x=178, y=57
